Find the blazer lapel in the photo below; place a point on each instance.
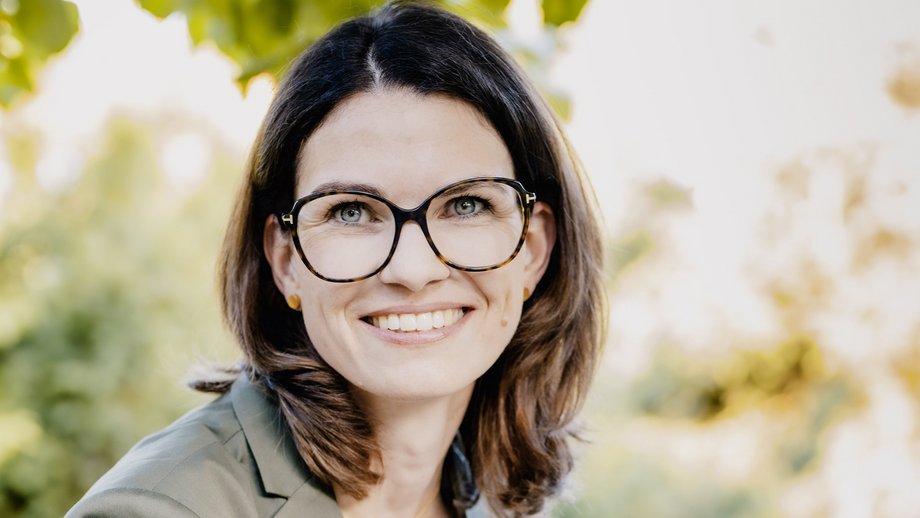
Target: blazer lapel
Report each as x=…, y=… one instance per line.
x=284, y=474
x=308, y=501
x=280, y=467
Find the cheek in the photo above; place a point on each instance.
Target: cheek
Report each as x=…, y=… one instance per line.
x=504, y=292
x=332, y=338
x=510, y=312
x=324, y=314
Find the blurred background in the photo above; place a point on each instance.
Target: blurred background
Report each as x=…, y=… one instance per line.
x=758, y=165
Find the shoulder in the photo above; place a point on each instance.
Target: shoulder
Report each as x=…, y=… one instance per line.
x=129, y=503
x=198, y=466
x=231, y=457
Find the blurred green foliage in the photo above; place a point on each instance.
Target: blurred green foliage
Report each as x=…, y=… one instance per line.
x=262, y=36
x=31, y=31
x=627, y=471
x=97, y=285
x=626, y=251
x=558, y=12
x=265, y=35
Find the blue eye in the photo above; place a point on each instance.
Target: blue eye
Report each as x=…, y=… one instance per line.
x=349, y=212
x=467, y=206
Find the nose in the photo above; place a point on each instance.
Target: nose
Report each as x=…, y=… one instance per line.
x=414, y=263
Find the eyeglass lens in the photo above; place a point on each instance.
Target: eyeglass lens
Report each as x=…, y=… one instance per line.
x=474, y=225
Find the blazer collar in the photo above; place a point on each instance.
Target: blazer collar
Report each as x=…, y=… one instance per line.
x=282, y=470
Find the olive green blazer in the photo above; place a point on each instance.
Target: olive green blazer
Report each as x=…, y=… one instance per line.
x=229, y=458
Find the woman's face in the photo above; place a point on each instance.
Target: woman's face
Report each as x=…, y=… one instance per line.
x=407, y=146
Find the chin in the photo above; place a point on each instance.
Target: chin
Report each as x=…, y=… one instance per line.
x=411, y=387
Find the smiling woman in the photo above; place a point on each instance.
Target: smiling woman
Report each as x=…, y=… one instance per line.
x=414, y=276
x=407, y=146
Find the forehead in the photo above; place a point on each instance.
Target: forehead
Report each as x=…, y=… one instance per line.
x=405, y=144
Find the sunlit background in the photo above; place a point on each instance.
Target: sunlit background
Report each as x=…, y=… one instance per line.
x=758, y=165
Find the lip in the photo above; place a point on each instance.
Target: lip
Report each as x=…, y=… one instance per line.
x=416, y=339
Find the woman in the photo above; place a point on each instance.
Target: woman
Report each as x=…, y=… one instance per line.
x=413, y=272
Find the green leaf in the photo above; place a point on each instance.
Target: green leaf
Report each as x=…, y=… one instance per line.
x=557, y=12
x=497, y=6
x=46, y=26
x=160, y=8
x=488, y=12
x=34, y=32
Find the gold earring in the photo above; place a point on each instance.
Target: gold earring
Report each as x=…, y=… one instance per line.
x=293, y=302
x=526, y=294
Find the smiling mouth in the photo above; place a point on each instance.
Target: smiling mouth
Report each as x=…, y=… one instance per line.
x=410, y=322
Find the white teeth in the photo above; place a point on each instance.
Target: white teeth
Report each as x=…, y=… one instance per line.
x=407, y=322
x=392, y=322
x=437, y=319
x=423, y=322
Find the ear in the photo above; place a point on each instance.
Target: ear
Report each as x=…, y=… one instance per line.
x=539, y=243
x=282, y=258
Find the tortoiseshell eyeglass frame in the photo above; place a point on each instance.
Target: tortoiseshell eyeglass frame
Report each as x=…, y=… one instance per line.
x=526, y=200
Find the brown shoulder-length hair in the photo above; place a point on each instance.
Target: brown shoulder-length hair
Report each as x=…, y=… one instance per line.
x=520, y=418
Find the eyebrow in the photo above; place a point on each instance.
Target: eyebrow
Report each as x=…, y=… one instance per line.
x=346, y=186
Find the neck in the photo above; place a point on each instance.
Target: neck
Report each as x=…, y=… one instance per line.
x=413, y=437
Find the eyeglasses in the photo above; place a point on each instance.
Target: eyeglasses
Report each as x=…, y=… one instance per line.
x=472, y=225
